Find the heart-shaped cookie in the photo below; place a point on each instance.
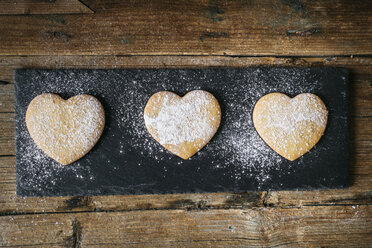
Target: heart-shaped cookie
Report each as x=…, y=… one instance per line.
x=183, y=125
x=65, y=130
x=290, y=126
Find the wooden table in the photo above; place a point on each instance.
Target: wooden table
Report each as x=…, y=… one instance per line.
x=193, y=34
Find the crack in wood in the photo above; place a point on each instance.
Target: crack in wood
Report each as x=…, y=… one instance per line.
x=59, y=35
x=362, y=197
x=265, y=199
x=213, y=35
x=175, y=241
x=307, y=32
x=86, y=5
x=272, y=206
x=359, y=199
x=44, y=7
x=34, y=245
x=75, y=239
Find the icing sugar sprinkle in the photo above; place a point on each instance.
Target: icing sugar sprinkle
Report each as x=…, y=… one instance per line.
x=237, y=152
x=298, y=109
x=186, y=119
x=66, y=130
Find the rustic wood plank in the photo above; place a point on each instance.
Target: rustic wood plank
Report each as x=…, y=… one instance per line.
x=6, y=97
x=318, y=227
x=29, y=7
x=359, y=193
x=331, y=226
x=360, y=69
x=328, y=218
x=7, y=141
x=37, y=231
x=359, y=66
x=338, y=27
x=351, y=196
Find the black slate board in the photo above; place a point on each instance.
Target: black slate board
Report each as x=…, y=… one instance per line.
x=126, y=160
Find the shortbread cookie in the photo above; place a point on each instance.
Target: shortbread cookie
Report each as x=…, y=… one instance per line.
x=183, y=125
x=65, y=130
x=290, y=126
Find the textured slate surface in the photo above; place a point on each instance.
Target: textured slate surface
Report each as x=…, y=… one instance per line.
x=127, y=160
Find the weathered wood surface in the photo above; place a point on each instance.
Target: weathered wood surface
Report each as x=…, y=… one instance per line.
x=360, y=70
x=331, y=226
x=325, y=31
x=209, y=27
x=28, y=7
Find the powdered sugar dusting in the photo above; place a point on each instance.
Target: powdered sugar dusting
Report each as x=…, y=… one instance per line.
x=37, y=173
x=245, y=154
x=65, y=130
x=185, y=119
x=128, y=160
x=290, y=126
x=304, y=107
x=43, y=173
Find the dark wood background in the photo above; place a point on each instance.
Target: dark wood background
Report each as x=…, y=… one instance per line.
x=190, y=34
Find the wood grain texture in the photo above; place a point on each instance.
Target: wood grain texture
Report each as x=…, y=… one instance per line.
x=209, y=27
x=37, y=231
x=331, y=226
x=321, y=30
x=360, y=70
x=7, y=129
x=30, y=7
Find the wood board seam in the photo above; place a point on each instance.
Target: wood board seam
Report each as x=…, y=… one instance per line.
x=86, y=5
x=26, y=11
x=269, y=55
x=3, y=214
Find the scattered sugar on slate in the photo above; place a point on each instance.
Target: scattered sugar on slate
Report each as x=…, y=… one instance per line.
x=236, y=149
x=243, y=150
